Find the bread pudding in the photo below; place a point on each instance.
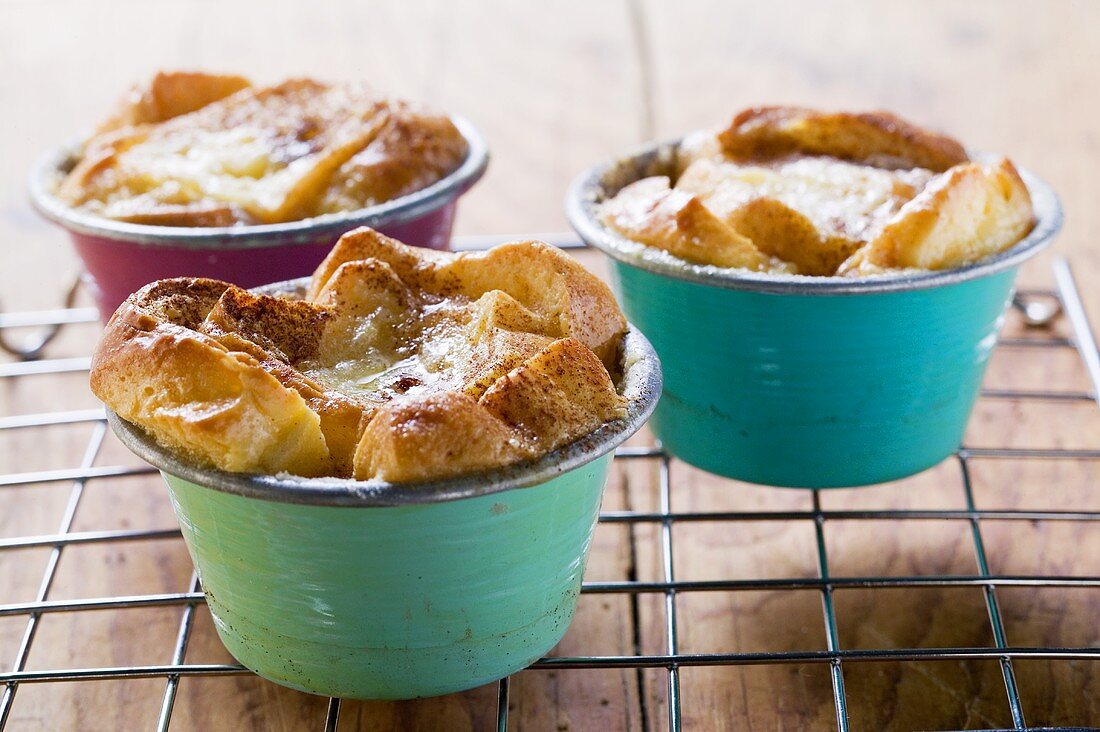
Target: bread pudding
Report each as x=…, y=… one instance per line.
x=792, y=190
x=397, y=363
x=197, y=149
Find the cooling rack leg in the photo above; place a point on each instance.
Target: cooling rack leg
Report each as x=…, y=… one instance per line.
x=178, y=654
x=332, y=717
x=670, y=599
x=831, y=636
x=635, y=611
x=502, y=705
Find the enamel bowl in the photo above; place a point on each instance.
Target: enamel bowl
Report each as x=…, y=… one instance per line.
x=801, y=381
x=120, y=257
x=373, y=590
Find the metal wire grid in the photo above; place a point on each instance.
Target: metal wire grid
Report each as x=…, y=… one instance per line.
x=672, y=660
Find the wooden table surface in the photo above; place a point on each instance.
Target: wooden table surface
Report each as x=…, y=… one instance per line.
x=556, y=87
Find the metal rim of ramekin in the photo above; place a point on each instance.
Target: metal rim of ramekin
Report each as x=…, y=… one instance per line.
x=588, y=190
x=47, y=172
x=640, y=385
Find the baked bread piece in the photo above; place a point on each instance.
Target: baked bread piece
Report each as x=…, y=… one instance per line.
x=171, y=94
x=205, y=150
x=881, y=139
x=651, y=212
x=399, y=363
x=786, y=189
x=967, y=213
x=413, y=149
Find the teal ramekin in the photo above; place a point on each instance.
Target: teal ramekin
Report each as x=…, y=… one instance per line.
x=372, y=590
x=813, y=382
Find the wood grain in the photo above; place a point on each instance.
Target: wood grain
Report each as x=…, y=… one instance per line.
x=556, y=87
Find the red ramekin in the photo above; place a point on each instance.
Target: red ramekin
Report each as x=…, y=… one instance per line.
x=121, y=257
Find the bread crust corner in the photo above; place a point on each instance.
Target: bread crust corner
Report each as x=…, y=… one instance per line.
x=874, y=138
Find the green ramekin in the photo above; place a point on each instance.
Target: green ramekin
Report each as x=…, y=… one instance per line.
x=814, y=382
x=372, y=590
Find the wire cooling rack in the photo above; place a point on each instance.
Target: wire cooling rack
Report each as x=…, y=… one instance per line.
x=1038, y=308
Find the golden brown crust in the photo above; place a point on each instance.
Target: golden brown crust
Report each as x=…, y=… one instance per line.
x=970, y=212
x=554, y=289
x=650, y=212
x=787, y=234
x=558, y=392
x=288, y=329
x=550, y=284
x=443, y=434
x=873, y=138
x=366, y=245
x=203, y=150
x=171, y=94
x=341, y=417
x=411, y=151
x=213, y=405
x=401, y=364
